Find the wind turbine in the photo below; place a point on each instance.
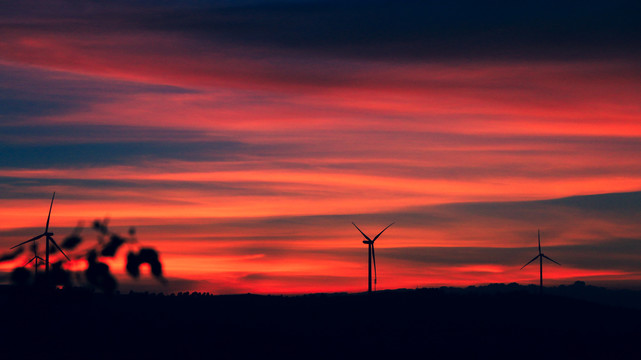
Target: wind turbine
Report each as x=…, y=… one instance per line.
x=540, y=256
x=48, y=235
x=371, y=255
x=35, y=258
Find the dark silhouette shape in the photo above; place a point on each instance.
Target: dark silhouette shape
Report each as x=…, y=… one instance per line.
x=60, y=276
x=73, y=240
x=133, y=265
x=101, y=227
x=457, y=323
x=540, y=256
x=49, y=236
x=144, y=256
x=98, y=274
x=112, y=246
x=11, y=255
x=20, y=276
x=371, y=256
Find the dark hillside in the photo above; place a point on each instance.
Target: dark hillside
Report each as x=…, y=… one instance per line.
x=425, y=323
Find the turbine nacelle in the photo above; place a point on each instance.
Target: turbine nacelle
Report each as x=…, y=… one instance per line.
x=368, y=242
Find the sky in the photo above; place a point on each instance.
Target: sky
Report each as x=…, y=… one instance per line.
x=242, y=138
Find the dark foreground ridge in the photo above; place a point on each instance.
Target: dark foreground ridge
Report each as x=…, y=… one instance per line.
x=497, y=322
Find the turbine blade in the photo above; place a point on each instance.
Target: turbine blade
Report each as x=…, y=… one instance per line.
x=29, y=262
x=374, y=260
x=366, y=237
x=58, y=247
x=379, y=234
x=536, y=257
x=539, y=241
x=49, y=216
x=32, y=239
x=551, y=260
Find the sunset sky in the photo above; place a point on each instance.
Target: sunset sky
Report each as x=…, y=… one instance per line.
x=241, y=138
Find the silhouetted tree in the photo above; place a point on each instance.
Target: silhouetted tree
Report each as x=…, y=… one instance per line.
x=97, y=274
x=20, y=276
x=145, y=256
x=73, y=239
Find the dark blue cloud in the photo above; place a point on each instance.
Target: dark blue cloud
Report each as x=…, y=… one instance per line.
x=422, y=30
x=25, y=81
x=408, y=30
x=52, y=134
x=615, y=205
x=28, y=92
x=97, y=154
x=615, y=253
x=24, y=107
x=84, y=189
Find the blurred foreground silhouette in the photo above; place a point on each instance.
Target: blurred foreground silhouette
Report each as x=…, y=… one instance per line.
x=91, y=255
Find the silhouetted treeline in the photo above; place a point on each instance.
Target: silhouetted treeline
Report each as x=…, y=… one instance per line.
x=579, y=290
x=403, y=324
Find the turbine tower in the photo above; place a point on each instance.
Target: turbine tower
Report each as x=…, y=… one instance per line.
x=48, y=235
x=540, y=256
x=371, y=256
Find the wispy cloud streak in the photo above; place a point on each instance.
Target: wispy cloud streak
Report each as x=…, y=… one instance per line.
x=251, y=132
